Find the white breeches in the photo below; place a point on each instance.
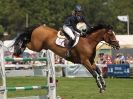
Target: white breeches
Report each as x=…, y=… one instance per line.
x=69, y=32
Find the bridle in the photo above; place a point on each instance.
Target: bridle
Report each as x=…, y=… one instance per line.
x=110, y=42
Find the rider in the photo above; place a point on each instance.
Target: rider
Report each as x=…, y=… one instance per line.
x=70, y=24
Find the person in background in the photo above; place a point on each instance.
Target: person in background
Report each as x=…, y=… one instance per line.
x=122, y=58
x=108, y=59
x=129, y=59
x=102, y=59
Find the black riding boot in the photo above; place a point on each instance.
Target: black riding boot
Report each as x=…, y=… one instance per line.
x=70, y=44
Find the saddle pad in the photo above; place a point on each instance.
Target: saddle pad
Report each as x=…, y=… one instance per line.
x=61, y=40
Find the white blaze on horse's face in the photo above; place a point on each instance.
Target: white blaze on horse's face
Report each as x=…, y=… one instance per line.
x=113, y=32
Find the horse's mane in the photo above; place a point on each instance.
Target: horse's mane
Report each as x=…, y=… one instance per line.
x=100, y=26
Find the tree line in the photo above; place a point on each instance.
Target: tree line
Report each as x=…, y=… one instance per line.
x=15, y=15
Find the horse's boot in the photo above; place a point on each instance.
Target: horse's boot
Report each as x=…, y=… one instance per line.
x=102, y=82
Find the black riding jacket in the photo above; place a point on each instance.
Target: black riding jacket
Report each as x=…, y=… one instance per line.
x=71, y=21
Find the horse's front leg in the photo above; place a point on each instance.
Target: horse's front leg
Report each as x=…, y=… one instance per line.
x=98, y=80
x=100, y=76
x=92, y=69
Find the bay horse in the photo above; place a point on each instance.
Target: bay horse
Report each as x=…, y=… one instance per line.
x=41, y=37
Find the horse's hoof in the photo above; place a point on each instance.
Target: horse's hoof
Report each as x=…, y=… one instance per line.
x=104, y=87
x=102, y=90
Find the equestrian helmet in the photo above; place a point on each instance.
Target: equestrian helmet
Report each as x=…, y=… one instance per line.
x=78, y=8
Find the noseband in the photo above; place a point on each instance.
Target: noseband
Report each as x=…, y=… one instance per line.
x=111, y=43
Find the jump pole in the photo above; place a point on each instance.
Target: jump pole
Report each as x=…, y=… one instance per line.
x=3, y=70
x=51, y=74
x=26, y=59
x=24, y=88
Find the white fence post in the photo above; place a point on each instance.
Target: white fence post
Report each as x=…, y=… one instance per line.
x=3, y=74
x=51, y=76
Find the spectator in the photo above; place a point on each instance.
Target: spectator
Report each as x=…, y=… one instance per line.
x=117, y=59
x=102, y=59
x=129, y=59
x=108, y=59
x=120, y=59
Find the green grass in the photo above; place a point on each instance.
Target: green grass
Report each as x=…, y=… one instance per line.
x=76, y=88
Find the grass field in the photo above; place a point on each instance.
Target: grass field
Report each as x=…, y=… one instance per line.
x=76, y=88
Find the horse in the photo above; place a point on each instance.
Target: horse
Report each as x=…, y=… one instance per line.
x=41, y=37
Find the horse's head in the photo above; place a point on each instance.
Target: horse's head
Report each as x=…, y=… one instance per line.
x=110, y=38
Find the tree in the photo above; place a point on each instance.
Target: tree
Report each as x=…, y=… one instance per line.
x=53, y=12
x=1, y=29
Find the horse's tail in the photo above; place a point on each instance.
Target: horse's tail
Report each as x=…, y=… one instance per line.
x=22, y=39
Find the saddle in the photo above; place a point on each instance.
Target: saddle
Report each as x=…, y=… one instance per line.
x=63, y=39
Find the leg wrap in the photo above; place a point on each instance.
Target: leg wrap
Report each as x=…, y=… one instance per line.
x=100, y=76
x=96, y=76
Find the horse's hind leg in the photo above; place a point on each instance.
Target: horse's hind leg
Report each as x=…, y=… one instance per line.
x=35, y=46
